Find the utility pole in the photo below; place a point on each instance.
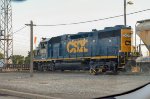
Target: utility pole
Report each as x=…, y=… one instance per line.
x=31, y=47
x=125, y=17
x=135, y=36
x=125, y=10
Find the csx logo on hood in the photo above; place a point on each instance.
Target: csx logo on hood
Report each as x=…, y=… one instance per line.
x=77, y=46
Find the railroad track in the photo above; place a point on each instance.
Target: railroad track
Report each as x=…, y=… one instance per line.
x=15, y=67
x=26, y=67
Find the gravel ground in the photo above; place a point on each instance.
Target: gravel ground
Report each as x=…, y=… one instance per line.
x=71, y=85
x=9, y=97
x=3, y=96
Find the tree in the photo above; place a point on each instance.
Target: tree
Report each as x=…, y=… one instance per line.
x=27, y=59
x=1, y=56
x=18, y=59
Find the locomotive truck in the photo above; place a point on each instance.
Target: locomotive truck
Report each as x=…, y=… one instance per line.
x=97, y=51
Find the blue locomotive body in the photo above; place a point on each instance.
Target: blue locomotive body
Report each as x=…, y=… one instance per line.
x=78, y=51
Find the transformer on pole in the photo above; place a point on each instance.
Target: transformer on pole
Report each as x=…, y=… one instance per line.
x=6, y=34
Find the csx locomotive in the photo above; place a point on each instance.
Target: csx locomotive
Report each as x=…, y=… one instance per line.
x=98, y=51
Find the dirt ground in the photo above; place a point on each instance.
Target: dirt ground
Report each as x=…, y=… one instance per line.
x=69, y=85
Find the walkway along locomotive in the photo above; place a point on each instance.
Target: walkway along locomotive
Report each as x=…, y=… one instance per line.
x=98, y=51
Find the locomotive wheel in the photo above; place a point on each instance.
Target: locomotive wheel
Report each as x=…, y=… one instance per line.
x=93, y=72
x=129, y=65
x=44, y=68
x=40, y=68
x=62, y=70
x=52, y=68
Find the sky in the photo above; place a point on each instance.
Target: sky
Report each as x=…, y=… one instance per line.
x=47, y=12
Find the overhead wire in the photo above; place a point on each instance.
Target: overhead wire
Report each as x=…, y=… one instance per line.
x=96, y=19
x=19, y=30
x=73, y=23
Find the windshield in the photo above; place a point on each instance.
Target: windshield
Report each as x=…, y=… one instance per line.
x=73, y=49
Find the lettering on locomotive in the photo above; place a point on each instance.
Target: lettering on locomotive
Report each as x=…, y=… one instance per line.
x=128, y=42
x=127, y=35
x=77, y=46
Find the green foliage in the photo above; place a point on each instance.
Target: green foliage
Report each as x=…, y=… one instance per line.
x=1, y=56
x=18, y=59
x=27, y=59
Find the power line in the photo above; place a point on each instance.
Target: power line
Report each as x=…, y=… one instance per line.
x=19, y=30
x=96, y=19
x=84, y=21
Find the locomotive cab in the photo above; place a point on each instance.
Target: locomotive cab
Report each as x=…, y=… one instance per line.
x=37, y=52
x=43, y=48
